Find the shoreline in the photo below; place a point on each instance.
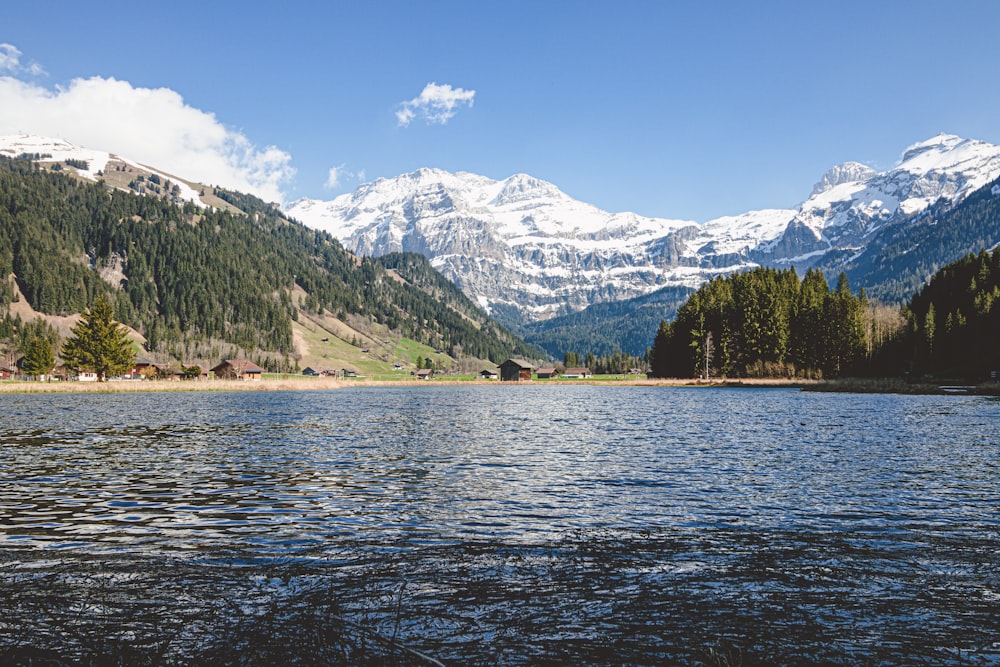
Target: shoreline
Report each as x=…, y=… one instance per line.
x=152, y=386
x=295, y=383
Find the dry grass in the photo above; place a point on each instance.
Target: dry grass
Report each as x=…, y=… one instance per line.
x=300, y=383
x=125, y=387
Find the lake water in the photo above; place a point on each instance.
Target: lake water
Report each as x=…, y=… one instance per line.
x=504, y=525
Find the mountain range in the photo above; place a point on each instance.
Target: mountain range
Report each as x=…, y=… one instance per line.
x=569, y=276
x=527, y=252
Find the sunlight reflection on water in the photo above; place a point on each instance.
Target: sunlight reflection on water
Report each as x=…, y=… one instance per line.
x=751, y=496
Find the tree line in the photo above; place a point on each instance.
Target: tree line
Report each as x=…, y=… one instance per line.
x=953, y=323
x=768, y=323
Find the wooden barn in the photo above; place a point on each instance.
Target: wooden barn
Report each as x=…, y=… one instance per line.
x=516, y=370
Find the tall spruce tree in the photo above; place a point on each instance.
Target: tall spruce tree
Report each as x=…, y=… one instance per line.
x=99, y=344
x=38, y=356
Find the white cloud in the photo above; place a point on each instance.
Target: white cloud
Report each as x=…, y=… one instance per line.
x=435, y=104
x=339, y=176
x=152, y=126
x=334, y=177
x=10, y=61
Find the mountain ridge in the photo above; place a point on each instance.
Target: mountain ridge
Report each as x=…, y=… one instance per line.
x=199, y=282
x=521, y=247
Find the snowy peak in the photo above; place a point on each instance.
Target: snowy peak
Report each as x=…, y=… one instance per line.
x=521, y=188
x=960, y=165
x=933, y=148
x=849, y=172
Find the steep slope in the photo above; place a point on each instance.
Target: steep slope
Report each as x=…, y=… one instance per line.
x=199, y=282
x=527, y=252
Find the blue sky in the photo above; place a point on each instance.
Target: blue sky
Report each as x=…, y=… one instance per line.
x=669, y=109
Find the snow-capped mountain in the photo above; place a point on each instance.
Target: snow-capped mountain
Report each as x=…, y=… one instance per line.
x=852, y=202
x=89, y=163
x=521, y=243
x=522, y=248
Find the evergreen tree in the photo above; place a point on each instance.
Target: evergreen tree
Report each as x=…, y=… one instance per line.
x=659, y=358
x=99, y=344
x=764, y=323
x=38, y=356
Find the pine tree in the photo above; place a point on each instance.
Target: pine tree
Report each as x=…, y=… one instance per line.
x=38, y=356
x=99, y=344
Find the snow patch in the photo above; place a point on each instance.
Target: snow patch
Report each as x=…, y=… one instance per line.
x=58, y=151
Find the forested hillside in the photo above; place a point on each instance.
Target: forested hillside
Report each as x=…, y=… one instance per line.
x=603, y=328
x=768, y=323
x=954, y=321
x=195, y=281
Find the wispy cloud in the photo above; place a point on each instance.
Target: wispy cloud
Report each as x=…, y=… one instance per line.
x=333, y=178
x=435, y=104
x=153, y=126
x=341, y=176
x=10, y=62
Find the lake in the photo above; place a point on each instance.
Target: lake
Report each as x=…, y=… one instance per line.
x=541, y=524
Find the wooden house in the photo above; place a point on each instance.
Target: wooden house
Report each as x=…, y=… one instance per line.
x=488, y=374
x=546, y=373
x=238, y=369
x=516, y=370
x=424, y=374
x=577, y=373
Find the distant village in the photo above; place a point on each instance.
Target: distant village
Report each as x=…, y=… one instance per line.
x=511, y=370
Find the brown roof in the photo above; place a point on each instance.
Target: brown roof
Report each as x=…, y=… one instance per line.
x=247, y=366
x=520, y=363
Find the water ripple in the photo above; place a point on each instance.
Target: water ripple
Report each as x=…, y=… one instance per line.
x=825, y=493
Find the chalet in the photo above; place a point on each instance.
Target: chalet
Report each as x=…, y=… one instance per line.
x=577, y=373
x=143, y=369
x=424, y=374
x=516, y=370
x=488, y=374
x=546, y=373
x=238, y=369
